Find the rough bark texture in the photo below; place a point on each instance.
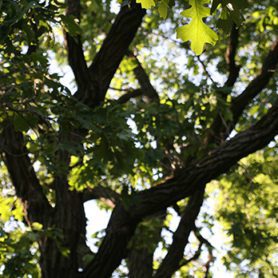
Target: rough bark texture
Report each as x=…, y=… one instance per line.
x=114, y=48
x=23, y=176
x=171, y=263
x=124, y=220
x=143, y=245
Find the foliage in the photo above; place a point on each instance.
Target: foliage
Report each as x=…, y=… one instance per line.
x=249, y=216
x=130, y=146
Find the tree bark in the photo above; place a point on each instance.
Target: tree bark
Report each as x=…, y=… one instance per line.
x=171, y=263
x=143, y=245
x=124, y=219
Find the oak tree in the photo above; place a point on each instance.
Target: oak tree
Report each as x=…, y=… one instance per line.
x=162, y=116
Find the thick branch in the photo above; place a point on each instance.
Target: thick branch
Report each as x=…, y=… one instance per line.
x=230, y=57
x=23, y=176
x=202, y=171
x=114, y=245
x=190, y=179
x=143, y=245
x=171, y=262
x=113, y=49
x=74, y=46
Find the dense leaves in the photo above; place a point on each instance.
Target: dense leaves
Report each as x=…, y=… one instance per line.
x=171, y=107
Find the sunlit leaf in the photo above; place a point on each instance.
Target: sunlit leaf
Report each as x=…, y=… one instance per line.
x=197, y=31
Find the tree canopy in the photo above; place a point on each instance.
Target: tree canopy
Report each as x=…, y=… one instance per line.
x=163, y=112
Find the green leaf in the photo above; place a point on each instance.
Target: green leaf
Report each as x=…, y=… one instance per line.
x=24, y=122
x=163, y=8
x=197, y=31
x=71, y=26
x=231, y=12
x=146, y=4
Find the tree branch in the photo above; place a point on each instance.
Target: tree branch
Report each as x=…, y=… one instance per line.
x=230, y=57
x=129, y=95
x=193, y=258
x=99, y=192
x=112, y=51
x=215, y=163
x=171, y=262
x=257, y=84
x=202, y=241
x=206, y=71
x=74, y=46
x=144, y=80
x=220, y=129
x=23, y=176
x=143, y=245
x=189, y=180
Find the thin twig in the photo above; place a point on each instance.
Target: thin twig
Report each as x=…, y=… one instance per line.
x=206, y=71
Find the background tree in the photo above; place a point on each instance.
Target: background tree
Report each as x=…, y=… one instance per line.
x=148, y=128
